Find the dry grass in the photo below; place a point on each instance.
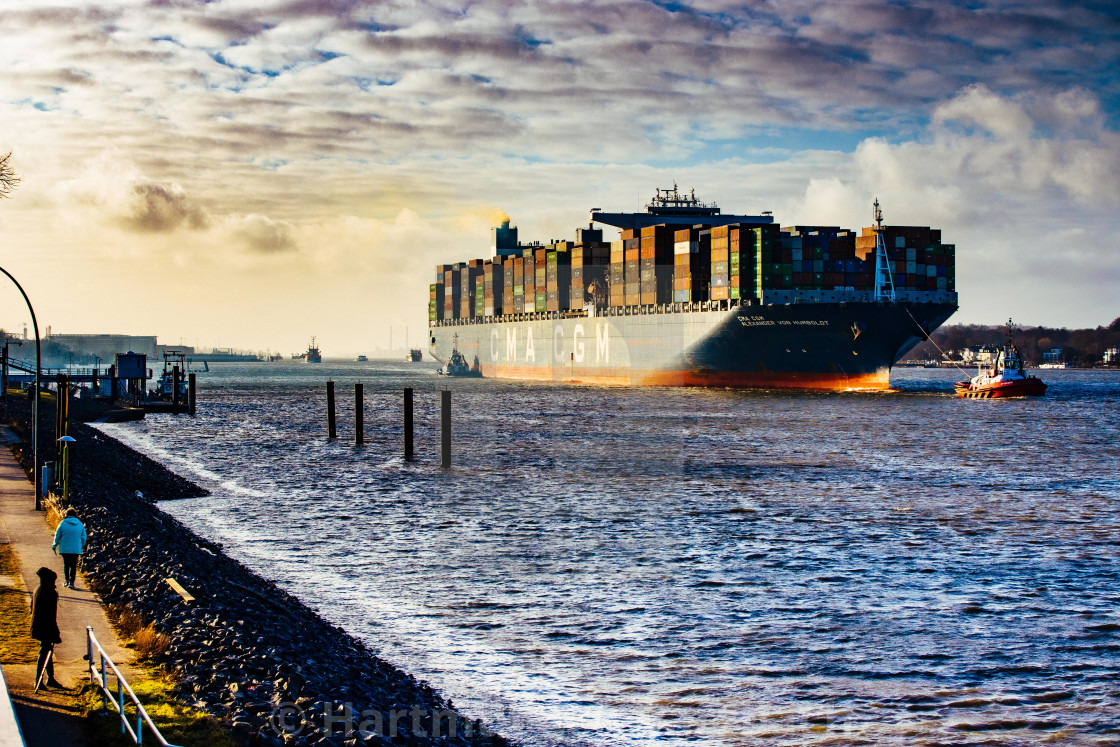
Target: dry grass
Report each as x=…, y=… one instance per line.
x=55, y=513
x=127, y=622
x=16, y=645
x=9, y=566
x=150, y=643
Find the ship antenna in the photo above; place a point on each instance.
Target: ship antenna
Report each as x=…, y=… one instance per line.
x=884, y=280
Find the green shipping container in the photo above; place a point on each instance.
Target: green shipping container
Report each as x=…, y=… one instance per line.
x=542, y=301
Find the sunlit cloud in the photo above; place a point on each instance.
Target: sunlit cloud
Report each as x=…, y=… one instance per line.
x=358, y=143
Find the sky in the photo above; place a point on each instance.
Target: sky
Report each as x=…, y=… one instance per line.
x=250, y=174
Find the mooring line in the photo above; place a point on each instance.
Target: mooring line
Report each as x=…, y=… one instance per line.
x=927, y=336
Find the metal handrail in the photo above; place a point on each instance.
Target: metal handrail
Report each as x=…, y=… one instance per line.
x=102, y=680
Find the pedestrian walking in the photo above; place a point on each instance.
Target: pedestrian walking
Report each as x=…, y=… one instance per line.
x=44, y=624
x=70, y=542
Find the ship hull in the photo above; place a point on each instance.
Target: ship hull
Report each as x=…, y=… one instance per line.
x=837, y=346
x=1028, y=387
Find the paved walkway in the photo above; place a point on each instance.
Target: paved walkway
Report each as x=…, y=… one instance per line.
x=48, y=716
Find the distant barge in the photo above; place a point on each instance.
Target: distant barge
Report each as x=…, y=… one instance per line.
x=691, y=297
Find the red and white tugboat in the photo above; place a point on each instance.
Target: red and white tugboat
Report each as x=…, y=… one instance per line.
x=1005, y=377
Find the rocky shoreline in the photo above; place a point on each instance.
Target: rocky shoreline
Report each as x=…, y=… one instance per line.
x=245, y=651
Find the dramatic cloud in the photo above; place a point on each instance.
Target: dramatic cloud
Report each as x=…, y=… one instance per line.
x=261, y=234
x=288, y=138
x=160, y=208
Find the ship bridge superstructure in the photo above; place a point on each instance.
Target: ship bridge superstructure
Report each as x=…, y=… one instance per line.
x=673, y=207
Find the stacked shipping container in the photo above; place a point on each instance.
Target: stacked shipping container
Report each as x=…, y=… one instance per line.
x=491, y=288
x=530, y=276
x=692, y=264
x=558, y=276
x=918, y=259
x=590, y=264
x=663, y=264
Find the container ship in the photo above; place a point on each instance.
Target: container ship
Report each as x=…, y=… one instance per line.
x=689, y=296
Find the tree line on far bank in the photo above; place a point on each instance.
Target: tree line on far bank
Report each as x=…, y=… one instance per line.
x=1080, y=347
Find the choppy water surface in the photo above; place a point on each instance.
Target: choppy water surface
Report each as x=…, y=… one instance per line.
x=618, y=566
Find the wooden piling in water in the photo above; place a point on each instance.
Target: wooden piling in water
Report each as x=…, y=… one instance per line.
x=445, y=429
x=176, y=379
x=330, y=410
x=359, y=415
x=408, y=423
x=192, y=389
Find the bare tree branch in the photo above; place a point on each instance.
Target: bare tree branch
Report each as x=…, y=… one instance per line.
x=9, y=179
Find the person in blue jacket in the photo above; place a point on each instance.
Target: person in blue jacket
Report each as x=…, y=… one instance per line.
x=70, y=541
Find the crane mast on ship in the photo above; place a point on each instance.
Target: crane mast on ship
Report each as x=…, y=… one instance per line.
x=884, y=281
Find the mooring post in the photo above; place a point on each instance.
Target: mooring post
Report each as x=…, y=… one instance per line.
x=359, y=415
x=192, y=384
x=176, y=378
x=113, y=384
x=330, y=410
x=445, y=429
x=408, y=423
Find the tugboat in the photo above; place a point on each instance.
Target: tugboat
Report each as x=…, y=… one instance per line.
x=415, y=355
x=1005, y=377
x=313, y=355
x=362, y=359
x=457, y=364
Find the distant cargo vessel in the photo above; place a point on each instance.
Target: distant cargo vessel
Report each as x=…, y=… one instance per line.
x=313, y=355
x=691, y=297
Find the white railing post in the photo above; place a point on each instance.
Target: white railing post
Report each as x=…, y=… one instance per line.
x=142, y=717
x=89, y=653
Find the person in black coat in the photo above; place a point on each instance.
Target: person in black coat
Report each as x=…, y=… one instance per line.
x=44, y=623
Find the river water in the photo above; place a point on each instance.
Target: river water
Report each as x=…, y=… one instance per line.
x=610, y=566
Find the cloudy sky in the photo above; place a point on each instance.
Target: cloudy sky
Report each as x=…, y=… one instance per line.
x=251, y=173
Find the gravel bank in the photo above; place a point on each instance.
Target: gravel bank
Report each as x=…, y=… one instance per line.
x=245, y=651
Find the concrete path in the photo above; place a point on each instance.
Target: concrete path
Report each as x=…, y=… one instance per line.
x=48, y=716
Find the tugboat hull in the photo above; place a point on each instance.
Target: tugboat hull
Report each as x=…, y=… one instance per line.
x=1028, y=387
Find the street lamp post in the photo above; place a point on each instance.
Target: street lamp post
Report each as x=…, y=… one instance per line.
x=35, y=400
